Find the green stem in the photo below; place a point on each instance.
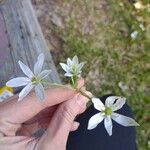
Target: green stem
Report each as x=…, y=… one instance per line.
x=54, y=84
x=82, y=93
x=89, y=103
x=74, y=81
x=65, y=86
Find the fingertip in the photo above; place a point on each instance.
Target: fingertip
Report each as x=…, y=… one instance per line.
x=80, y=83
x=75, y=126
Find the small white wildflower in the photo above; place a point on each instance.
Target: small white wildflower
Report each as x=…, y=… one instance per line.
x=148, y=8
x=73, y=67
x=139, y=5
x=57, y=20
x=33, y=80
x=142, y=27
x=148, y=144
x=107, y=113
x=122, y=86
x=134, y=34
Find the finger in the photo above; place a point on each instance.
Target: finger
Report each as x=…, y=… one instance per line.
x=41, y=120
x=43, y=115
x=17, y=143
x=88, y=93
x=75, y=126
x=62, y=121
x=80, y=83
x=30, y=106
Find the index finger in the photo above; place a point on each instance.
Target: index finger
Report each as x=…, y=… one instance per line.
x=19, y=112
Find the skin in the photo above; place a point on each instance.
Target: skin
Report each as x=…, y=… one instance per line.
x=19, y=120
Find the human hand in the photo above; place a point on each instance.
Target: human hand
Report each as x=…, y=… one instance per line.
x=19, y=120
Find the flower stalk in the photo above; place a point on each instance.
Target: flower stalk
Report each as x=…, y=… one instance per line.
x=66, y=86
x=74, y=81
x=73, y=69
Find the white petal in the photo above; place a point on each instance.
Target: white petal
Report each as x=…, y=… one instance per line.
x=119, y=103
x=39, y=64
x=75, y=60
x=65, y=67
x=16, y=82
x=39, y=90
x=26, y=70
x=110, y=100
x=80, y=66
x=124, y=120
x=44, y=74
x=95, y=120
x=98, y=104
x=108, y=125
x=69, y=62
x=25, y=91
x=68, y=74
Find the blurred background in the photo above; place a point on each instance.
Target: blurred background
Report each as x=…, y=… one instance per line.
x=113, y=37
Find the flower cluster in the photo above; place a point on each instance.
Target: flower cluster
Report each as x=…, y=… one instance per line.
x=107, y=111
x=73, y=67
x=73, y=70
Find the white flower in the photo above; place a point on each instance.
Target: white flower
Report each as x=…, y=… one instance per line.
x=107, y=113
x=33, y=79
x=123, y=86
x=73, y=67
x=139, y=5
x=134, y=35
x=142, y=27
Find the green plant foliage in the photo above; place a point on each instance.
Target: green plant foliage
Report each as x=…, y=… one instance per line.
x=99, y=32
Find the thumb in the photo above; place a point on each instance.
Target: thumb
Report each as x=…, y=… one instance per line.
x=61, y=123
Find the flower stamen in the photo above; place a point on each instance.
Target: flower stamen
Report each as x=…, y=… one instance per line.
x=108, y=111
x=35, y=80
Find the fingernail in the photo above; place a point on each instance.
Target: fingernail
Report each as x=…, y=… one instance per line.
x=81, y=100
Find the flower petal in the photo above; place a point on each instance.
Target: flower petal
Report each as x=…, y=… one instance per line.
x=25, y=91
x=124, y=120
x=39, y=64
x=80, y=66
x=68, y=74
x=69, y=62
x=75, y=60
x=108, y=125
x=65, y=67
x=26, y=70
x=98, y=104
x=16, y=82
x=110, y=100
x=44, y=74
x=119, y=103
x=95, y=120
x=39, y=90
